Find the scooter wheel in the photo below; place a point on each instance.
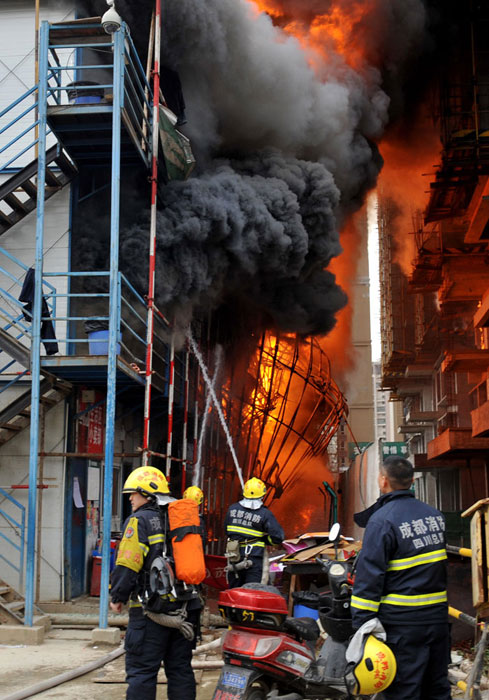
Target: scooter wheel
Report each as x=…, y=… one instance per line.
x=256, y=693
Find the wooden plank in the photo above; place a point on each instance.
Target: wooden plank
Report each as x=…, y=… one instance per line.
x=476, y=561
x=476, y=506
x=293, y=583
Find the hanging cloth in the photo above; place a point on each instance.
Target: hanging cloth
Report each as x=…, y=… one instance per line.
x=26, y=296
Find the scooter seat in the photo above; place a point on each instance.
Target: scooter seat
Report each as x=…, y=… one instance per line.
x=302, y=627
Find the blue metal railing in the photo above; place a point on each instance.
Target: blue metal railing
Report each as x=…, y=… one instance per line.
x=23, y=113
x=129, y=105
x=18, y=525
x=131, y=320
x=13, y=159
x=136, y=93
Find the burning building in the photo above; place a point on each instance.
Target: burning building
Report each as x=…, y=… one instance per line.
x=434, y=343
x=284, y=105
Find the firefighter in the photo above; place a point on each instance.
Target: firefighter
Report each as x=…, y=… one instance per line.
x=196, y=494
x=401, y=579
x=148, y=643
x=250, y=527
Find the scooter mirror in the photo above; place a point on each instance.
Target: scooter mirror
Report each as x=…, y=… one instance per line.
x=334, y=533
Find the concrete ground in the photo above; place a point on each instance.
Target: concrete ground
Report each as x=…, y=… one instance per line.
x=66, y=649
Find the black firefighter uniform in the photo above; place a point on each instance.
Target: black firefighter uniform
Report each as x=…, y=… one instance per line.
x=401, y=578
x=147, y=643
x=254, y=529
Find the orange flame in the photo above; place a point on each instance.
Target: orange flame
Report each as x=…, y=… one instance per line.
x=410, y=155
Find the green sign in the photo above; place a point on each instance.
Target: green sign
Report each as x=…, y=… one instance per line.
x=397, y=449
x=356, y=448
x=179, y=158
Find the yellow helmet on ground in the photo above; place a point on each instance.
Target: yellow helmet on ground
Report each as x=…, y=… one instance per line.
x=374, y=672
x=254, y=488
x=146, y=480
x=194, y=493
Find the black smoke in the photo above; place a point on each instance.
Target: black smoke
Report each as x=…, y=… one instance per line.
x=285, y=152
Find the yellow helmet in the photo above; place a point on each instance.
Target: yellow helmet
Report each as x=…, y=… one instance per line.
x=374, y=672
x=254, y=488
x=146, y=480
x=194, y=493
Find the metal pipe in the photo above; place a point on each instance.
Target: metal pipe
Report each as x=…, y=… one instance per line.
x=196, y=419
x=36, y=332
x=463, y=551
x=148, y=76
x=152, y=232
x=39, y=506
x=185, y=415
x=464, y=617
x=90, y=455
x=171, y=393
x=36, y=75
x=114, y=313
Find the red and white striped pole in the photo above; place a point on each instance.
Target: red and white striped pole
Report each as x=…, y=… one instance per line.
x=185, y=419
x=196, y=424
x=152, y=231
x=171, y=392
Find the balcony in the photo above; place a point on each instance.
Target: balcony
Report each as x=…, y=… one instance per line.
x=464, y=278
x=456, y=442
x=481, y=316
x=465, y=361
x=424, y=416
x=479, y=212
x=422, y=463
x=480, y=420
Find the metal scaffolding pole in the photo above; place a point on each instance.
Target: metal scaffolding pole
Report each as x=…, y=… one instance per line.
x=152, y=231
x=171, y=393
x=185, y=418
x=114, y=313
x=36, y=331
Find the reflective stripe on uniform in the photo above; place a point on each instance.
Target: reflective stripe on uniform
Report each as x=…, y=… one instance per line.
x=418, y=560
x=245, y=531
x=252, y=544
x=413, y=601
x=134, y=604
x=364, y=604
x=154, y=539
x=144, y=548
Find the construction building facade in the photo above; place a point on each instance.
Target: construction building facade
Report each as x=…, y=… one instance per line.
x=434, y=318
x=80, y=345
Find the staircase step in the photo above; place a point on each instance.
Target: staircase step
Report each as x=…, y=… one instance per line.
x=48, y=401
x=15, y=203
x=65, y=164
x=4, y=590
x=29, y=188
x=6, y=219
x=10, y=426
x=52, y=180
x=15, y=605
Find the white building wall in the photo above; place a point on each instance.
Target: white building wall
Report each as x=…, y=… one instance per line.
x=14, y=470
x=16, y=77
x=17, y=65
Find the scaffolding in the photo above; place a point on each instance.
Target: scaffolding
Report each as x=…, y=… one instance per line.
x=279, y=399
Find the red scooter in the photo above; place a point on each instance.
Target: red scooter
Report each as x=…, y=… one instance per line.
x=271, y=656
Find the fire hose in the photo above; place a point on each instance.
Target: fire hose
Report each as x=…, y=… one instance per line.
x=97, y=663
x=175, y=621
x=243, y=564
x=64, y=677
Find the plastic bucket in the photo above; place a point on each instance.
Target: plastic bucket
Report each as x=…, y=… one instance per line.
x=101, y=344
x=90, y=94
x=303, y=611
